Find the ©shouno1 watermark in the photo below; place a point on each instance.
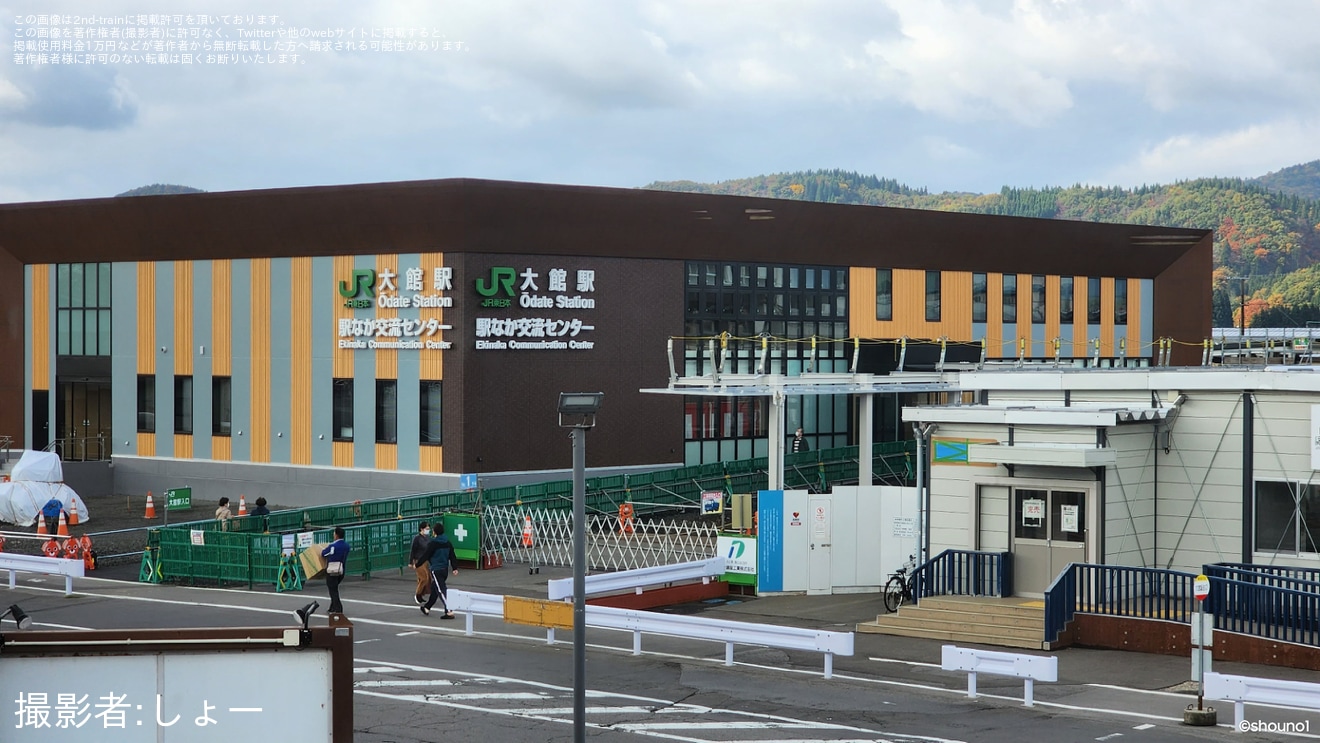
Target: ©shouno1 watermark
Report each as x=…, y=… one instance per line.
x=1263, y=726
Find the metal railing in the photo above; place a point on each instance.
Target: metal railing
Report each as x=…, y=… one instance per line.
x=1117, y=590
x=6, y=448
x=81, y=449
x=1265, y=601
x=965, y=573
x=610, y=546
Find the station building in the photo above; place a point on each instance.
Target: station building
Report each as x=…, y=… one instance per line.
x=348, y=341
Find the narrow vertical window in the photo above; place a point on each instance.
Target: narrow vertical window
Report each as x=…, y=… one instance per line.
x=1120, y=302
x=183, y=405
x=430, y=419
x=1066, y=299
x=979, y=309
x=1093, y=300
x=222, y=406
x=884, y=294
x=932, y=296
x=342, y=413
x=387, y=411
x=1038, y=299
x=146, y=403
x=1010, y=298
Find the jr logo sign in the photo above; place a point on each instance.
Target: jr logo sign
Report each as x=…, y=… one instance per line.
x=501, y=278
x=364, y=282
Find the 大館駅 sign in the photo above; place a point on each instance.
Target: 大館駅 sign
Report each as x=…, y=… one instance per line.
x=505, y=288
x=367, y=289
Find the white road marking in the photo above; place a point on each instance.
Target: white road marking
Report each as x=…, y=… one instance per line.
x=520, y=695
x=589, y=710
x=362, y=642
x=400, y=683
x=637, y=727
x=375, y=669
x=1111, y=736
x=905, y=662
x=1146, y=726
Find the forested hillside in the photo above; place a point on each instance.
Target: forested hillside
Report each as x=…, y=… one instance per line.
x=1263, y=231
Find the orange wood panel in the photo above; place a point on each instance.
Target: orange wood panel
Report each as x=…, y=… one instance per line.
x=260, y=410
x=183, y=446
x=432, y=459
x=342, y=358
x=300, y=335
x=994, y=316
x=41, y=327
x=342, y=453
x=1136, y=345
x=183, y=320
x=222, y=319
x=387, y=456
x=1083, y=334
x=1107, y=345
x=1052, y=318
x=431, y=361
x=146, y=321
x=222, y=448
x=146, y=444
x=1024, y=316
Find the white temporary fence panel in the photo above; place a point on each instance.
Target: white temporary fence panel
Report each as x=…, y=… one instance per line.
x=1031, y=668
x=16, y=564
x=1243, y=689
x=640, y=578
x=611, y=545
x=698, y=628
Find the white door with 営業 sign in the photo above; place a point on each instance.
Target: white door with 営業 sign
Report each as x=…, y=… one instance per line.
x=1048, y=531
x=820, y=511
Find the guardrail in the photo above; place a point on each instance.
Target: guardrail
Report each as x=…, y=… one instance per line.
x=724, y=631
x=1243, y=689
x=16, y=564
x=639, y=579
x=1029, y=668
x=965, y=573
x=1285, y=609
x=1116, y=590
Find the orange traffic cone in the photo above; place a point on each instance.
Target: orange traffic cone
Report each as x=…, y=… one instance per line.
x=527, y=531
x=63, y=530
x=73, y=517
x=151, y=507
x=41, y=524
x=242, y=504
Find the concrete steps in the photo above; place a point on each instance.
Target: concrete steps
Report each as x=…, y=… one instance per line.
x=1007, y=622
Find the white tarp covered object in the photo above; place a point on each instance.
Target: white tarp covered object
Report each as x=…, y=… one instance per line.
x=37, y=478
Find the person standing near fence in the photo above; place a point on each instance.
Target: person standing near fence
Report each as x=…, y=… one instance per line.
x=420, y=542
x=336, y=559
x=440, y=554
x=223, y=514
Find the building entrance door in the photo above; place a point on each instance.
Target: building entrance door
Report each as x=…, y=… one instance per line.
x=82, y=419
x=1049, y=531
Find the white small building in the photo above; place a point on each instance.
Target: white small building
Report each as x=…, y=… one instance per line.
x=1157, y=467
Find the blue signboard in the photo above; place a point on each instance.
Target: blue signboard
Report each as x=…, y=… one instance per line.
x=770, y=540
x=467, y=482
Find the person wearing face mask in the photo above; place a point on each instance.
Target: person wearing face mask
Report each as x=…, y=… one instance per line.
x=420, y=542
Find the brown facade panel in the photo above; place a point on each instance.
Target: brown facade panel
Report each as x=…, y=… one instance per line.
x=501, y=404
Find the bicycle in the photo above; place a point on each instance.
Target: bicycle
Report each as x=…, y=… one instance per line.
x=899, y=588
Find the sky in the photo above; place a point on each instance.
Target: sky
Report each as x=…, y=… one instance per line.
x=949, y=95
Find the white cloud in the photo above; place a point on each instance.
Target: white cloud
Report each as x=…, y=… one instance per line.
x=1247, y=152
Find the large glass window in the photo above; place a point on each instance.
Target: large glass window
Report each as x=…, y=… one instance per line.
x=222, y=406
x=82, y=309
x=342, y=410
x=1010, y=298
x=1287, y=517
x=430, y=419
x=183, y=404
x=1065, y=299
x=387, y=411
x=146, y=403
x=884, y=294
x=979, y=290
x=1120, y=302
x=1038, y=299
x=932, y=296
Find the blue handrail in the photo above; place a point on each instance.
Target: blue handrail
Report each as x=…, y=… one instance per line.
x=964, y=573
x=1117, y=590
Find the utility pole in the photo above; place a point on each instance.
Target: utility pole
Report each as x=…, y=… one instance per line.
x=1242, y=315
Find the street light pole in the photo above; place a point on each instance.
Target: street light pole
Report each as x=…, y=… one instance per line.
x=577, y=410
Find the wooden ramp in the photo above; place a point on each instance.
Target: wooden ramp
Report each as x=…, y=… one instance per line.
x=1007, y=622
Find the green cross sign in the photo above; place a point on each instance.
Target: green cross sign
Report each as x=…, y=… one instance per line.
x=464, y=531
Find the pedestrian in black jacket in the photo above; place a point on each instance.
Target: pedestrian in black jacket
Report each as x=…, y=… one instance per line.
x=420, y=542
x=440, y=555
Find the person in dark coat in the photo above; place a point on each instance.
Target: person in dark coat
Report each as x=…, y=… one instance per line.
x=420, y=541
x=440, y=554
x=799, y=442
x=337, y=552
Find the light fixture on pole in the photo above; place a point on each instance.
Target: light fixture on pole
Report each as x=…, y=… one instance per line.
x=304, y=615
x=19, y=616
x=577, y=410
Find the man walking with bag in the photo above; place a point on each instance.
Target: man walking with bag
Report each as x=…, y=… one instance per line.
x=420, y=542
x=440, y=554
x=336, y=556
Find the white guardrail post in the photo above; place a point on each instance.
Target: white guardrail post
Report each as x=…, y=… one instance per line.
x=1242, y=689
x=639, y=579
x=638, y=623
x=1030, y=668
x=16, y=564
